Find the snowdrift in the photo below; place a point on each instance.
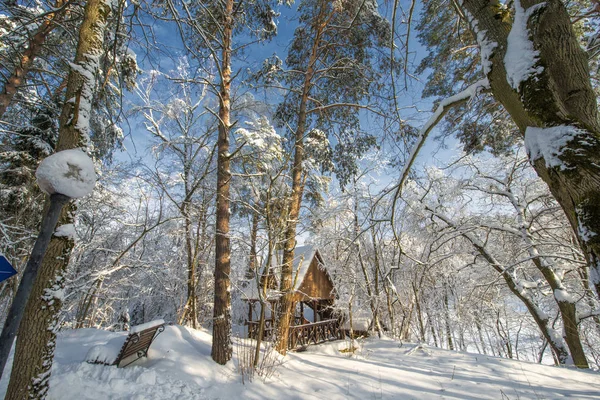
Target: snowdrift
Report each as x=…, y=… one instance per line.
x=179, y=367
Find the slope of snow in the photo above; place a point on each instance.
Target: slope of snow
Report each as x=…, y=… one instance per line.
x=179, y=367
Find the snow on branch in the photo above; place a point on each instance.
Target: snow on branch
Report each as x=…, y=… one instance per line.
x=444, y=106
x=486, y=46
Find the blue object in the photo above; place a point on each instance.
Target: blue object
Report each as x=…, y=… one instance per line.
x=6, y=270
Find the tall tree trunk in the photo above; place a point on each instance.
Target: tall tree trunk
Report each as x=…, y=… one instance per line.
x=432, y=328
x=263, y=304
x=190, y=312
x=376, y=288
x=559, y=93
x=286, y=304
x=36, y=42
x=390, y=308
x=370, y=292
x=419, y=314
x=376, y=325
x=35, y=346
x=480, y=333
x=222, y=348
x=253, y=255
x=447, y=319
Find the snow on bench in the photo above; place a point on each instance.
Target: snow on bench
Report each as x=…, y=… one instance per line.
x=136, y=346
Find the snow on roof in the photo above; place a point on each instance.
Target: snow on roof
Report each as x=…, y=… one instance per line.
x=303, y=256
x=250, y=292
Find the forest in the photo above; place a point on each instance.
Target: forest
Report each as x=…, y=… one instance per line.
x=173, y=160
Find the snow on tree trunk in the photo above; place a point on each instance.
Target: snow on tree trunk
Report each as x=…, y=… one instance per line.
x=554, y=91
x=35, y=347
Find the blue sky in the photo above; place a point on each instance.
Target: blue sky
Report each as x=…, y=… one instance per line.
x=416, y=110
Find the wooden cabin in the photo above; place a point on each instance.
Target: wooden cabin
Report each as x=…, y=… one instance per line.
x=313, y=296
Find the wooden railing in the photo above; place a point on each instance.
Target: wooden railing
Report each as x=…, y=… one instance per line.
x=301, y=335
x=254, y=326
x=318, y=332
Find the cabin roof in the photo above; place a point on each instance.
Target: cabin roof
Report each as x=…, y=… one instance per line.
x=303, y=256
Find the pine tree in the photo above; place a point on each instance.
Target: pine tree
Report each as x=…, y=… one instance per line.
x=216, y=30
x=335, y=68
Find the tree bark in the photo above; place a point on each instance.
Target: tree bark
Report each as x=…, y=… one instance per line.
x=35, y=347
x=252, y=267
x=287, y=303
x=222, y=348
x=17, y=307
x=36, y=42
x=561, y=94
x=419, y=314
x=190, y=310
x=447, y=319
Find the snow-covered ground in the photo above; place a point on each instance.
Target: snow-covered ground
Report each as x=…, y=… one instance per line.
x=179, y=367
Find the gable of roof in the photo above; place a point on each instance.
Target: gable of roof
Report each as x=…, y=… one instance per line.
x=303, y=257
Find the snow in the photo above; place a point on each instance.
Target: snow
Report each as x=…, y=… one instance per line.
x=67, y=230
x=106, y=353
x=585, y=233
x=358, y=324
x=550, y=143
x=68, y=172
x=486, y=46
x=303, y=256
x=561, y=295
x=262, y=141
x=179, y=366
x=142, y=327
x=250, y=292
x=520, y=57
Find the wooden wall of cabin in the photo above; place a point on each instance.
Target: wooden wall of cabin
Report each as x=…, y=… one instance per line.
x=316, y=284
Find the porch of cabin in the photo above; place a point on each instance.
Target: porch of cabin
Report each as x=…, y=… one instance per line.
x=314, y=295
x=313, y=322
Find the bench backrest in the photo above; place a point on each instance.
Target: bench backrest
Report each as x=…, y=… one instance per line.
x=137, y=344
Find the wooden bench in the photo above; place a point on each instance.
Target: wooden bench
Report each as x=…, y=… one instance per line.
x=135, y=347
